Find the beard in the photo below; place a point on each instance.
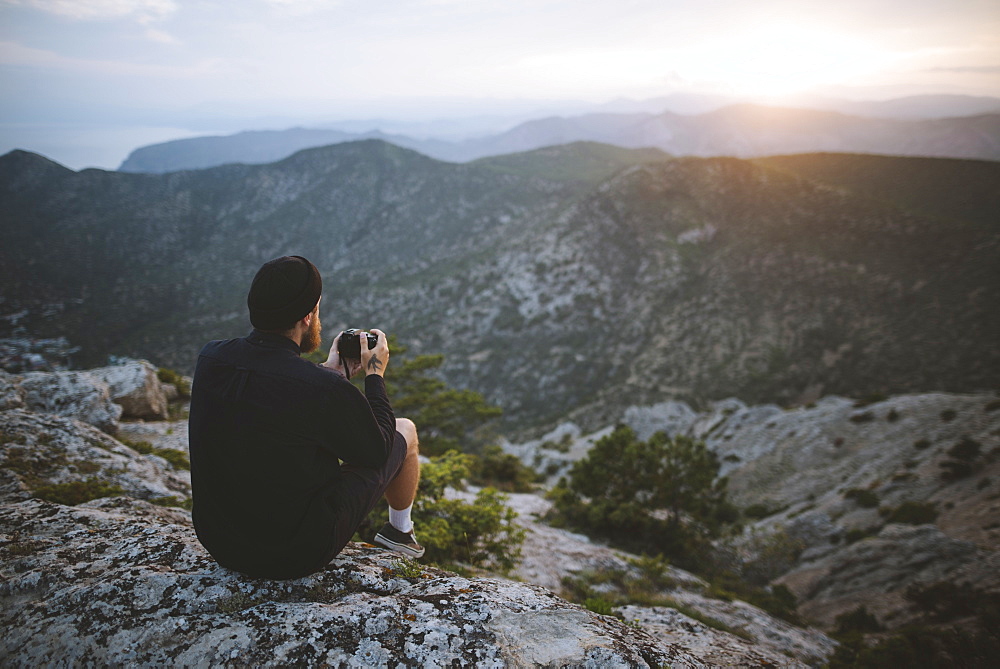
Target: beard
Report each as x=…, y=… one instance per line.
x=314, y=337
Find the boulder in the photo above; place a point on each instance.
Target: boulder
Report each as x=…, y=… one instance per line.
x=78, y=395
x=123, y=582
x=136, y=387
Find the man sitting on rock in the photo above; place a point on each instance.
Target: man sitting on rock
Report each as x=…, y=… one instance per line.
x=287, y=456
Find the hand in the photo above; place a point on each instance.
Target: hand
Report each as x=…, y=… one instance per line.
x=375, y=360
x=335, y=363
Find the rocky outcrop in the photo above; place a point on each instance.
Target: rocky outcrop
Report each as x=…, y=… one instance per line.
x=119, y=581
x=100, y=397
x=122, y=580
x=550, y=555
x=857, y=502
x=48, y=450
x=136, y=387
x=76, y=395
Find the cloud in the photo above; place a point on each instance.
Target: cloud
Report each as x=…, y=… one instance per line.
x=101, y=9
x=302, y=7
x=13, y=54
x=970, y=69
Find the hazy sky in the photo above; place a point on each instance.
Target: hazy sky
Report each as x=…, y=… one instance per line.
x=129, y=68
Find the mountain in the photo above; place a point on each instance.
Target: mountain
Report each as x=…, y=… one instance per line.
x=956, y=190
x=571, y=280
x=743, y=130
x=913, y=106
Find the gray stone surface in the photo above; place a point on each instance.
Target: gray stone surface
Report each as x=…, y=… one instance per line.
x=76, y=395
x=809, y=465
x=135, y=386
x=120, y=581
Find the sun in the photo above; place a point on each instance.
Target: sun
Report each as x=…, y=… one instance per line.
x=781, y=60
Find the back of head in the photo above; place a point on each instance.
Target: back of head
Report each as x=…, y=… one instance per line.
x=283, y=292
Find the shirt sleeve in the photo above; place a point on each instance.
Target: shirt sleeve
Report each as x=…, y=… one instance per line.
x=365, y=426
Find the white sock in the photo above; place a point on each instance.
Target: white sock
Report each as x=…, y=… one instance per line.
x=401, y=519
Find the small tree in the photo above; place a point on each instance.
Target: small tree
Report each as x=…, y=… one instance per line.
x=448, y=419
x=621, y=484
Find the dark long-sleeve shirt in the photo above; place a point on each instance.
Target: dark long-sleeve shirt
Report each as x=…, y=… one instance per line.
x=267, y=431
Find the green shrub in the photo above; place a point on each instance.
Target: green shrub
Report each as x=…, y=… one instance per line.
x=858, y=620
x=481, y=533
x=503, y=471
x=178, y=502
x=948, y=415
x=562, y=446
x=758, y=511
x=175, y=379
x=858, y=533
x=599, y=605
x=407, y=569
x=865, y=417
x=955, y=470
x=913, y=513
x=77, y=492
x=865, y=498
x=175, y=457
x=921, y=444
x=871, y=398
x=967, y=449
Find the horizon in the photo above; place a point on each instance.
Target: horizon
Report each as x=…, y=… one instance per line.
x=86, y=82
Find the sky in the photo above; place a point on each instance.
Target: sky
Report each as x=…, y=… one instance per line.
x=85, y=81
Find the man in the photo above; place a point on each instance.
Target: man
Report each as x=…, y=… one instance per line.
x=268, y=431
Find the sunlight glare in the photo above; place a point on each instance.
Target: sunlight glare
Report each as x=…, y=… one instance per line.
x=780, y=60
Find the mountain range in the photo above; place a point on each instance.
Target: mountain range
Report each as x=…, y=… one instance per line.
x=568, y=281
x=743, y=130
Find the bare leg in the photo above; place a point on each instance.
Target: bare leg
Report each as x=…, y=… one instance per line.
x=403, y=489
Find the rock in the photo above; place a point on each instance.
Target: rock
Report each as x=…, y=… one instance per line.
x=42, y=449
x=756, y=638
x=900, y=555
x=10, y=394
x=717, y=647
x=825, y=480
x=135, y=386
x=120, y=582
x=170, y=392
x=76, y=395
x=670, y=417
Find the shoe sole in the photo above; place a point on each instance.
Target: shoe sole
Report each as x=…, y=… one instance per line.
x=399, y=548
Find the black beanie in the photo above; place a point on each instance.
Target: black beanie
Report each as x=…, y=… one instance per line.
x=283, y=292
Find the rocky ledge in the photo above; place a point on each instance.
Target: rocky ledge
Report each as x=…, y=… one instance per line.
x=122, y=580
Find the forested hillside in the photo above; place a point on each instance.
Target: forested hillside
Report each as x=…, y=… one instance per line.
x=568, y=280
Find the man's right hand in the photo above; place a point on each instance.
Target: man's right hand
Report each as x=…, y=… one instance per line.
x=375, y=360
x=342, y=366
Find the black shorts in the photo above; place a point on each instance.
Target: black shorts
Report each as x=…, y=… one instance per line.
x=360, y=491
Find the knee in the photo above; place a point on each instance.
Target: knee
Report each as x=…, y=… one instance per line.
x=406, y=428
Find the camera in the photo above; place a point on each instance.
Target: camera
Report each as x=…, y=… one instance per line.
x=350, y=343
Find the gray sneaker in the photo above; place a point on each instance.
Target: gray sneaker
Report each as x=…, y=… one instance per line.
x=401, y=542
